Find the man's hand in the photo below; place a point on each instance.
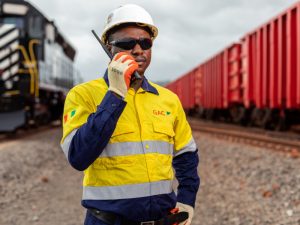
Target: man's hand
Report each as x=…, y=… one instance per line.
x=120, y=70
x=186, y=208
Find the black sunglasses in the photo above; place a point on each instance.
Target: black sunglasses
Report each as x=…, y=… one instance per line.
x=130, y=43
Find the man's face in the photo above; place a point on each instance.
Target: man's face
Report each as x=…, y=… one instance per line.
x=142, y=57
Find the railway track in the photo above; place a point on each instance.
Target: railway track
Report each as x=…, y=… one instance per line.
x=24, y=133
x=287, y=142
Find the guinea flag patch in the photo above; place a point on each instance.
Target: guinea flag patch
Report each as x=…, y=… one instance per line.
x=69, y=115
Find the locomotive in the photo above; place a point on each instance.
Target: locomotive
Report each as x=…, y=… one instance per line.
x=255, y=81
x=36, y=67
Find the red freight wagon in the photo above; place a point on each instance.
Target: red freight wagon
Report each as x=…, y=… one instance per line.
x=221, y=79
x=232, y=76
x=191, y=95
x=256, y=81
x=177, y=87
x=184, y=87
x=183, y=84
x=171, y=86
x=271, y=63
x=211, y=84
x=186, y=90
x=198, y=87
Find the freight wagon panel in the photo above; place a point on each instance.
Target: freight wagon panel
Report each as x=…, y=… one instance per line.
x=230, y=75
x=191, y=96
x=234, y=76
x=274, y=68
x=220, y=82
x=282, y=61
x=198, y=86
x=271, y=61
x=293, y=41
x=248, y=70
x=184, y=85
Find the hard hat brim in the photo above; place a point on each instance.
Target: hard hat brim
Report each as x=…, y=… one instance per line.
x=153, y=29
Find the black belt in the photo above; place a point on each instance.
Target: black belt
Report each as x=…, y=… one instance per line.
x=110, y=218
x=106, y=217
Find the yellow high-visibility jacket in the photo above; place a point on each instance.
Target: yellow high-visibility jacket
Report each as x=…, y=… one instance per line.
x=129, y=144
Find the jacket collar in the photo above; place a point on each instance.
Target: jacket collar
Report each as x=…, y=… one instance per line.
x=146, y=86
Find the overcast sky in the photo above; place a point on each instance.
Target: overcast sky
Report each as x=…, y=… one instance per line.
x=189, y=31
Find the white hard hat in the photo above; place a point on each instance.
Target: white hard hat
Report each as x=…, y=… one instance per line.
x=129, y=13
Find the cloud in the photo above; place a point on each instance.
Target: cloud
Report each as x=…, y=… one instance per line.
x=189, y=31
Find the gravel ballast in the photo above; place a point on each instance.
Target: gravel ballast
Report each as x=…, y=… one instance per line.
x=240, y=184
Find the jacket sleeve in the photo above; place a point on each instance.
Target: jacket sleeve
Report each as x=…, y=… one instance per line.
x=186, y=160
x=87, y=133
x=185, y=166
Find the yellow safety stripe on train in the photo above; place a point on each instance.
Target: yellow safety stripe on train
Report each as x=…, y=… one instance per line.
x=12, y=92
x=30, y=62
x=33, y=61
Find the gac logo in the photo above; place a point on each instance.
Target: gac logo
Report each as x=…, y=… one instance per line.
x=159, y=112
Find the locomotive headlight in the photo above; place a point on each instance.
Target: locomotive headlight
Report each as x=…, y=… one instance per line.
x=8, y=84
x=18, y=9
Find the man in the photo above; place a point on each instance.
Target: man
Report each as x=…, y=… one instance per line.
x=125, y=134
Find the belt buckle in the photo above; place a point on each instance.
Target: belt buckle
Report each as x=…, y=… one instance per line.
x=152, y=222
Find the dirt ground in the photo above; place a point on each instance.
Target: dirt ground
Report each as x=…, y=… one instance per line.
x=240, y=184
x=37, y=185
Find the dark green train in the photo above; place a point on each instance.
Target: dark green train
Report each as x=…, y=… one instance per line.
x=36, y=67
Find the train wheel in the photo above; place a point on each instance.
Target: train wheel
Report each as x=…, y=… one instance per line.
x=191, y=112
x=201, y=113
x=276, y=121
x=266, y=122
x=281, y=124
x=261, y=118
x=11, y=134
x=210, y=114
x=237, y=114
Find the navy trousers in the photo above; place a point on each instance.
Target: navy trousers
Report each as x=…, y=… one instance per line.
x=92, y=220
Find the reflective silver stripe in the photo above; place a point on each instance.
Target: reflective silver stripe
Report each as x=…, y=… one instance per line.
x=190, y=147
x=133, y=148
x=127, y=191
x=67, y=142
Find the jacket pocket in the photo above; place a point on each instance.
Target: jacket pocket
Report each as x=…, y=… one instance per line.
x=163, y=132
x=122, y=128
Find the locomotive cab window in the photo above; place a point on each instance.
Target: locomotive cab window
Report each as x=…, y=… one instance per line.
x=35, y=27
x=16, y=21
